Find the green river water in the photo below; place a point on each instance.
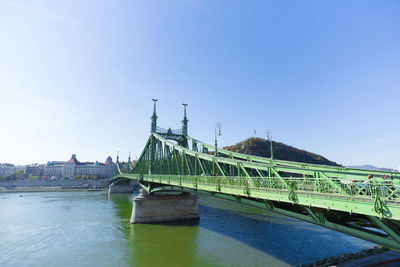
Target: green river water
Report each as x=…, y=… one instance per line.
x=92, y=229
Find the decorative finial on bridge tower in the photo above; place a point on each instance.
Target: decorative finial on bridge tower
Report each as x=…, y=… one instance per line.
x=154, y=117
x=184, y=121
x=117, y=156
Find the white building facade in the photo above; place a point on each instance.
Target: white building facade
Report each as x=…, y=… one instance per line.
x=72, y=167
x=7, y=169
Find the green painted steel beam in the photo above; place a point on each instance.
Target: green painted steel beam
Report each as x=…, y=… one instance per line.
x=334, y=171
x=262, y=166
x=363, y=206
x=244, y=163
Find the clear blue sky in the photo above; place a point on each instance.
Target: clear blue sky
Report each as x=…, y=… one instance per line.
x=78, y=76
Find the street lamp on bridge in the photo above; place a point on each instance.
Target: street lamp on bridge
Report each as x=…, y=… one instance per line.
x=269, y=138
x=217, y=127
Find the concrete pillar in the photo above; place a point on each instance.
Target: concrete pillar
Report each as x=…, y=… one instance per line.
x=164, y=207
x=122, y=188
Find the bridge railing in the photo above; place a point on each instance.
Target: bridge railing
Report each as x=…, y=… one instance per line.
x=385, y=190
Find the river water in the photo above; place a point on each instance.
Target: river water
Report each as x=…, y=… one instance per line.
x=92, y=229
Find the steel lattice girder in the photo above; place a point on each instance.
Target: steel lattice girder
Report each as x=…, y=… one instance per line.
x=310, y=199
x=334, y=171
x=165, y=164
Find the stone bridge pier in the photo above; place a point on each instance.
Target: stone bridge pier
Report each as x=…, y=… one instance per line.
x=127, y=188
x=164, y=207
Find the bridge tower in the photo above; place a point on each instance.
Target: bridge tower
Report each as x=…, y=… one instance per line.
x=168, y=205
x=184, y=141
x=153, y=130
x=184, y=121
x=154, y=117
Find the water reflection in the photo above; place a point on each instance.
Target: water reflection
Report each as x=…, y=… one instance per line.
x=289, y=240
x=166, y=244
x=229, y=233
x=90, y=228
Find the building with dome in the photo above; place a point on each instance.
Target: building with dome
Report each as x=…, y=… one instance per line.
x=72, y=167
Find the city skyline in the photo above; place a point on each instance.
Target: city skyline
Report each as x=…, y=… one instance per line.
x=78, y=77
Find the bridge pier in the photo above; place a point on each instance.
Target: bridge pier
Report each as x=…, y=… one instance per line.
x=122, y=188
x=164, y=207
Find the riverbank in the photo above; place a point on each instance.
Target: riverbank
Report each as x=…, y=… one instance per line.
x=47, y=189
x=53, y=186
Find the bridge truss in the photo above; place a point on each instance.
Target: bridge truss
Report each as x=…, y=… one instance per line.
x=362, y=203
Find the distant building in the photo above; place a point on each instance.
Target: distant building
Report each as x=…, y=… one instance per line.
x=34, y=169
x=72, y=167
x=7, y=169
x=19, y=168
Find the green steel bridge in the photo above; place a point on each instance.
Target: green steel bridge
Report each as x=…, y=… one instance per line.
x=361, y=203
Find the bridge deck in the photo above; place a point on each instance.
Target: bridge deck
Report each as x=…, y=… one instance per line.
x=310, y=196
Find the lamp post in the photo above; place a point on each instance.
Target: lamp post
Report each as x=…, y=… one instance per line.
x=269, y=138
x=217, y=127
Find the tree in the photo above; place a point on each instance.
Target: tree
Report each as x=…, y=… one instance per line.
x=20, y=175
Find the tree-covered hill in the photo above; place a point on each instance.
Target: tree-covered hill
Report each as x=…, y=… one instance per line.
x=261, y=147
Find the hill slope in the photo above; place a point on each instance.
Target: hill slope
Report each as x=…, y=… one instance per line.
x=261, y=147
x=371, y=167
